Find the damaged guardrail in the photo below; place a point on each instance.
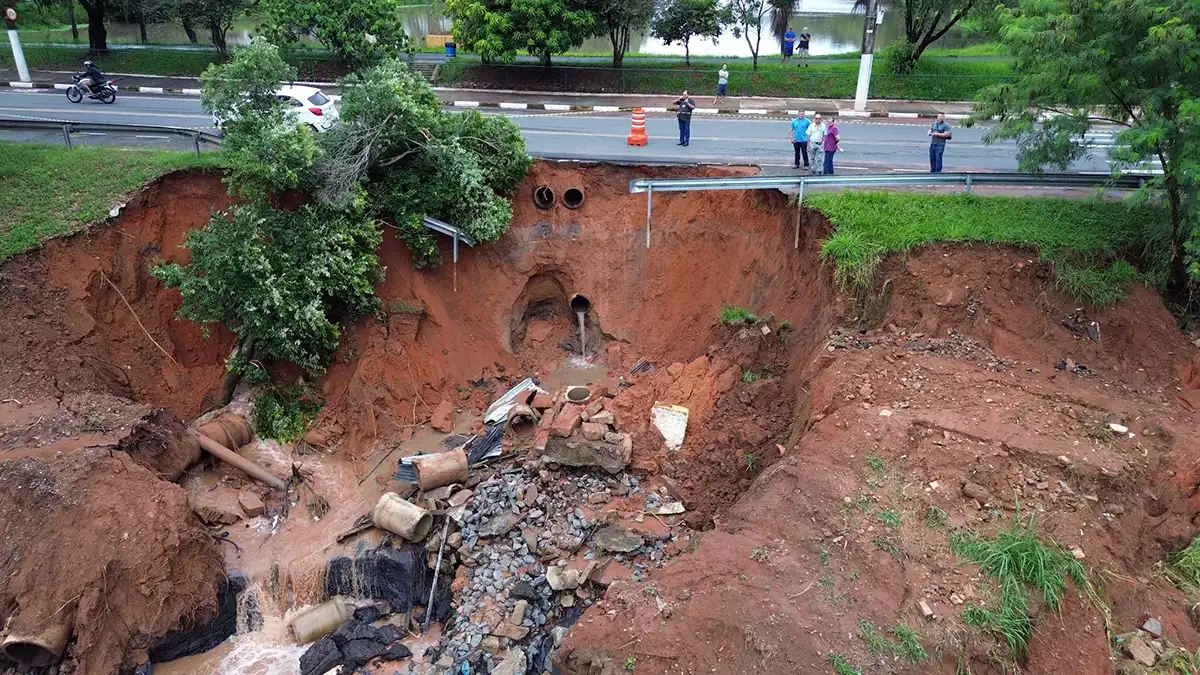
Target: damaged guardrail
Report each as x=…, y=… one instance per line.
x=799, y=183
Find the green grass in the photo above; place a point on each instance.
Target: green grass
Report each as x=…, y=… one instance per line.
x=51, y=191
x=1019, y=563
x=876, y=465
x=841, y=666
x=874, y=640
x=934, y=79
x=1184, y=568
x=1079, y=237
x=889, y=518
x=737, y=316
x=906, y=644
x=936, y=518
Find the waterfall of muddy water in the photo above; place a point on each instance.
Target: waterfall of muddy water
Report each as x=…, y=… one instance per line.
x=582, y=335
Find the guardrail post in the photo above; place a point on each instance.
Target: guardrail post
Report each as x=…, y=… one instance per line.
x=968, y=185
x=196, y=141
x=66, y=129
x=649, y=199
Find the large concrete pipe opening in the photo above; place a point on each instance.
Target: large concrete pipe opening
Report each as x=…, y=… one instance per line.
x=39, y=648
x=543, y=197
x=580, y=304
x=573, y=198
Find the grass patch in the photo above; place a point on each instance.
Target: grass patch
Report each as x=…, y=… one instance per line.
x=1184, y=568
x=877, y=465
x=284, y=413
x=889, y=518
x=53, y=191
x=1076, y=236
x=905, y=643
x=874, y=640
x=401, y=307
x=841, y=666
x=936, y=518
x=738, y=316
x=1019, y=563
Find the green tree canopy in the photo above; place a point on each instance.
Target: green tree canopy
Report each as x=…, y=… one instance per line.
x=281, y=279
x=618, y=19
x=411, y=159
x=746, y=18
x=1133, y=63
x=267, y=150
x=681, y=20
x=925, y=22
x=215, y=15
x=358, y=32
x=497, y=29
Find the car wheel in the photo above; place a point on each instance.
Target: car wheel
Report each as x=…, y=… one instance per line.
x=313, y=128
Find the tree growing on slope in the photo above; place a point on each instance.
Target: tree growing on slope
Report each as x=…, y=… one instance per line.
x=682, y=20
x=497, y=29
x=1133, y=63
x=925, y=22
x=357, y=32
x=215, y=15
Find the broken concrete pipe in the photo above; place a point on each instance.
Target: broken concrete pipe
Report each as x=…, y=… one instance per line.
x=580, y=304
x=394, y=514
x=434, y=471
x=578, y=394
x=316, y=622
x=42, y=645
x=227, y=431
x=520, y=414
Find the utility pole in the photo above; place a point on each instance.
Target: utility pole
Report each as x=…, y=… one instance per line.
x=10, y=22
x=868, y=55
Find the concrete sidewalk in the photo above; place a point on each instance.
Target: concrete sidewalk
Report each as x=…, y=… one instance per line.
x=555, y=101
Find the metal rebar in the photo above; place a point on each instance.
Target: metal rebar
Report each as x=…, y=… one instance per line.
x=649, y=200
x=437, y=568
x=196, y=141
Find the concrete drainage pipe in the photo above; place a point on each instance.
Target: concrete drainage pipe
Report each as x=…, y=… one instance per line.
x=573, y=198
x=543, y=197
x=42, y=646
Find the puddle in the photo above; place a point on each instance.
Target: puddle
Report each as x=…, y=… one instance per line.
x=574, y=371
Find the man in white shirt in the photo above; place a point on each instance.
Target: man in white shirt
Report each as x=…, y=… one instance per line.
x=722, y=83
x=816, y=138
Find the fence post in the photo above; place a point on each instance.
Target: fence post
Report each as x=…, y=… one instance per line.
x=196, y=141
x=968, y=184
x=66, y=129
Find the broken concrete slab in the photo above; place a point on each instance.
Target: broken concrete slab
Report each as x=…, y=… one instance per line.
x=514, y=664
x=219, y=506
x=508, y=630
x=1137, y=649
x=603, y=417
x=561, y=578
x=617, y=540
x=608, y=456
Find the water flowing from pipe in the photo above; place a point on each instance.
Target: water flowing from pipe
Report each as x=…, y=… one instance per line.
x=582, y=335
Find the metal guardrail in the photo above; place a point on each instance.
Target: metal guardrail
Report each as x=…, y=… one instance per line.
x=799, y=183
x=67, y=128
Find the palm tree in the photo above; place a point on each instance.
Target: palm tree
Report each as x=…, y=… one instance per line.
x=781, y=12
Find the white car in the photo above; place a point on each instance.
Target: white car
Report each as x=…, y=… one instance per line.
x=307, y=105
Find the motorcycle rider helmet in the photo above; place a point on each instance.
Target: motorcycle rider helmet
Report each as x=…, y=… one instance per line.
x=88, y=63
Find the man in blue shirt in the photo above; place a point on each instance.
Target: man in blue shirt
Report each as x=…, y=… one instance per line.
x=799, y=137
x=789, y=44
x=939, y=133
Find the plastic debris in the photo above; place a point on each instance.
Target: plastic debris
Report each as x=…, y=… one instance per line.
x=671, y=422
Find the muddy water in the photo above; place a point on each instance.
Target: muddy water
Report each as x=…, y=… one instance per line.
x=574, y=371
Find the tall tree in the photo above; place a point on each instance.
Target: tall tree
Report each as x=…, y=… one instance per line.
x=781, y=14
x=217, y=16
x=97, y=34
x=1133, y=63
x=497, y=29
x=682, y=20
x=746, y=19
x=925, y=22
x=618, y=19
x=358, y=32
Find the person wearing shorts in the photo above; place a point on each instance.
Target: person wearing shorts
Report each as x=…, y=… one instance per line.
x=805, y=38
x=722, y=83
x=789, y=44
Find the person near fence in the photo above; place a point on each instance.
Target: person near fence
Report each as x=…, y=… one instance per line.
x=816, y=142
x=685, y=105
x=833, y=143
x=722, y=83
x=805, y=38
x=789, y=44
x=939, y=133
x=799, y=138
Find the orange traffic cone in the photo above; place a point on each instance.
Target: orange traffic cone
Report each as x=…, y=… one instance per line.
x=637, y=133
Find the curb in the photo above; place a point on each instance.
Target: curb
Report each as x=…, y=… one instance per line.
x=566, y=107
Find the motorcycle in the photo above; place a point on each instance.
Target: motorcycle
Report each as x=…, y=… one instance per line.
x=105, y=93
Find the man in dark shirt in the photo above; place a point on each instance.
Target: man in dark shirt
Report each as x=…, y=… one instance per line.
x=939, y=133
x=684, y=115
x=805, y=38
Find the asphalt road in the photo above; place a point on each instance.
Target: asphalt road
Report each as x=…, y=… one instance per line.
x=868, y=145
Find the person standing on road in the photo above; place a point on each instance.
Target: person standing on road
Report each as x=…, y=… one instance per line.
x=799, y=138
x=722, y=83
x=816, y=141
x=805, y=38
x=833, y=143
x=789, y=44
x=939, y=133
x=684, y=115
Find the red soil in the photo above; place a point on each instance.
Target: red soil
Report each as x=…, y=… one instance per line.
x=964, y=362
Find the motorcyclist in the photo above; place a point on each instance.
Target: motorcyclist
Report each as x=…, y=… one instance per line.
x=92, y=77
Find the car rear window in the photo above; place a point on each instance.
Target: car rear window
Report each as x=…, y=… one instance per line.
x=318, y=99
